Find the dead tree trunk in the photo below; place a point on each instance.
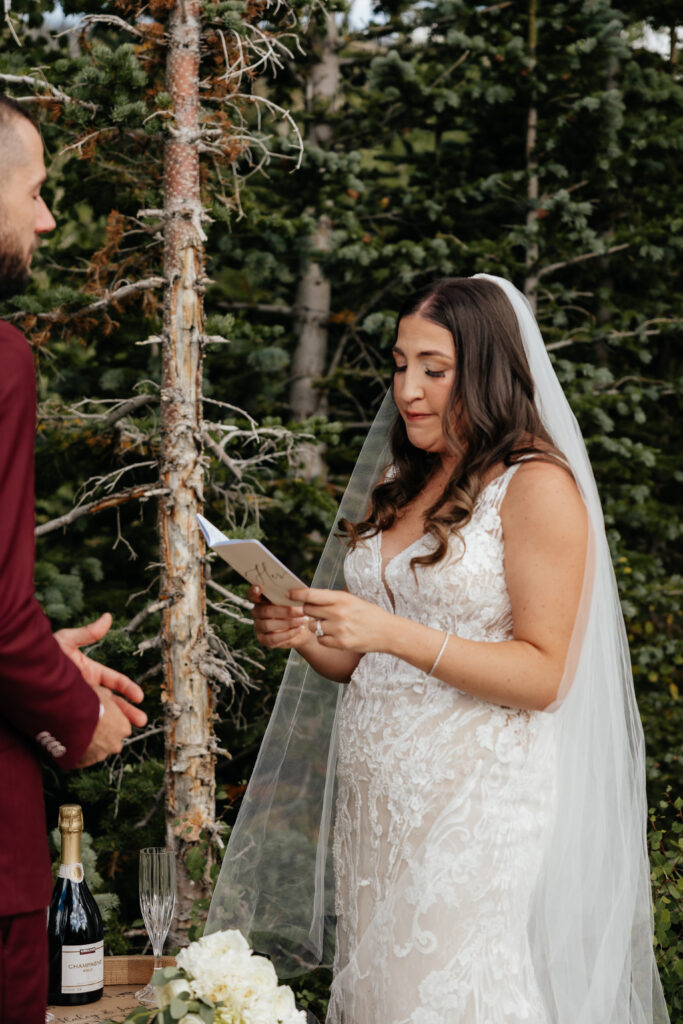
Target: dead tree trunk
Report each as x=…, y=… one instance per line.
x=312, y=307
x=190, y=759
x=531, y=260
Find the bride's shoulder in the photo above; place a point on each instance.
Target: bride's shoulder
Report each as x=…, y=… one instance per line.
x=543, y=495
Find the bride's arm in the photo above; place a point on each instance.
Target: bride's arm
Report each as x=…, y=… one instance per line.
x=545, y=534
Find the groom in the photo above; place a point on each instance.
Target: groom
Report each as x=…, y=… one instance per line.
x=54, y=700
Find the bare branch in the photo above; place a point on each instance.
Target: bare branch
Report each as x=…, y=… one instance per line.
x=140, y=493
x=451, y=69
x=109, y=410
x=120, y=539
x=554, y=345
x=222, y=610
x=220, y=454
x=260, y=307
x=155, y=670
x=213, y=668
x=79, y=143
x=151, y=609
x=42, y=83
x=128, y=407
x=112, y=19
x=552, y=267
x=643, y=331
x=153, y=809
x=229, y=596
x=154, y=339
x=108, y=481
x=8, y=19
x=143, y=735
x=145, y=284
x=152, y=644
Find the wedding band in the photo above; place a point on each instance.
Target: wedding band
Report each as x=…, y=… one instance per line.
x=319, y=628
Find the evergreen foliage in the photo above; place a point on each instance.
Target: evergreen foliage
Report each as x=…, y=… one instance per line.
x=424, y=170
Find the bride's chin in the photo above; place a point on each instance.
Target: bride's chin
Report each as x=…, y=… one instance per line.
x=434, y=447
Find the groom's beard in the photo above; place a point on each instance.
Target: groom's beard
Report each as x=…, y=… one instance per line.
x=15, y=269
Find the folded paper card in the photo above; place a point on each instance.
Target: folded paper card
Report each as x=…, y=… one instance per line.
x=253, y=561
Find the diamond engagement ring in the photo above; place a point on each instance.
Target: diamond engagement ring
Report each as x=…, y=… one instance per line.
x=319, y=628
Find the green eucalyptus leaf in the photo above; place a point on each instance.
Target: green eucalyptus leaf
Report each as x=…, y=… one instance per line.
x=207, y=1013
x=178, y=1007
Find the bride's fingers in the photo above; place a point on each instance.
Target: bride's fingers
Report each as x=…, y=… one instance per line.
x=269, y=625
x=280, y=638
x=329, y=641
x=262, y=612
x=319, y=627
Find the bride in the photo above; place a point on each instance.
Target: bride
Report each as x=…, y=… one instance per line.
x=487, y=747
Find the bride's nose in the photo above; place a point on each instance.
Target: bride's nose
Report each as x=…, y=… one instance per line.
x=413, y=384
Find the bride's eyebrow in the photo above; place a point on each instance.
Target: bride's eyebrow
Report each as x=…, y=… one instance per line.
x=427, y=352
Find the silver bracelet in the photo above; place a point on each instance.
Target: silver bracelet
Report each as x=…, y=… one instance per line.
x=438, y=657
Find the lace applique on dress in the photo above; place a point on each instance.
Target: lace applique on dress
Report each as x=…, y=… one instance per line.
x=443, y=804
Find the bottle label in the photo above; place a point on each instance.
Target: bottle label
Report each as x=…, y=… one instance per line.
x=74, y=872
x=82, y=968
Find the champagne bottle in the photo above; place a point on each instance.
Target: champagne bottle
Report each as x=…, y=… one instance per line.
x=75, y=933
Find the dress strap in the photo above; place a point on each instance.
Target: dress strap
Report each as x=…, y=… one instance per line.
x=492, y=495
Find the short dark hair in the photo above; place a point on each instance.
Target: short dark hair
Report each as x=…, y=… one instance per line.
x=10, y=145
x=11, y=108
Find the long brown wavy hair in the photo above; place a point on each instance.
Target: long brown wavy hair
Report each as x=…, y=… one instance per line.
x=490, y=417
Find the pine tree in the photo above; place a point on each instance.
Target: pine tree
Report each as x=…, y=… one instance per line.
x=138, y=102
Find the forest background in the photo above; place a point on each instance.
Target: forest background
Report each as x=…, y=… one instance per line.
x=244, y=192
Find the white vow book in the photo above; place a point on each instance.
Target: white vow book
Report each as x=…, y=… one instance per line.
x=253, y=561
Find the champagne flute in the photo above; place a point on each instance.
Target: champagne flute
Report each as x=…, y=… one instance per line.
x=157, y=900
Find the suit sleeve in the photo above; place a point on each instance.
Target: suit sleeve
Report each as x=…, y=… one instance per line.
x=43, y=696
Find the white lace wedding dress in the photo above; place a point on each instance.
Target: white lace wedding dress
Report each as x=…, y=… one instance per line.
x=443, y=804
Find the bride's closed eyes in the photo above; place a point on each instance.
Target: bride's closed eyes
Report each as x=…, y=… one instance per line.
x=429, y=373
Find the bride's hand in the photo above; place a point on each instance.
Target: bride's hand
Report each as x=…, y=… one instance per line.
x=341, y=620
x=278, y=625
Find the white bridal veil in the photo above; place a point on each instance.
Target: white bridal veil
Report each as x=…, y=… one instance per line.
x=590, y=920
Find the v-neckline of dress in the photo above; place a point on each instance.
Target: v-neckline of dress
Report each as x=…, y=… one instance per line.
x=383, y=566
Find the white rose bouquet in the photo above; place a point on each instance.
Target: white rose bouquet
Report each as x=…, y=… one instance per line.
x=219, y=980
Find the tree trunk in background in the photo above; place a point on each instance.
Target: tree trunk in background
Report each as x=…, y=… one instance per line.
x=190, y=759
x=312, y=307
x=531, y=260
x=604, y=312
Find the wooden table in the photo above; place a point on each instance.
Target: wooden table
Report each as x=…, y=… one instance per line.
x=123, y=976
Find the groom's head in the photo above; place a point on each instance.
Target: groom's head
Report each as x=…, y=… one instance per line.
x=23, y=213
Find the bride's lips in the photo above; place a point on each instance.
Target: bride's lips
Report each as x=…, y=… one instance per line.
x=416, y=417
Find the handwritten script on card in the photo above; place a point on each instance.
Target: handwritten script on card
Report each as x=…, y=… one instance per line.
x=254, y=562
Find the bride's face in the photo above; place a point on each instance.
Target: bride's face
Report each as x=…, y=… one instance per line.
x=425, y=366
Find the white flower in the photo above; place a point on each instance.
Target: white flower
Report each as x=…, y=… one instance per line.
x=200, y=954
x=165, y=993
x=285, y=1006
x=191, y=1018
x=261, y=973
x=221, y=967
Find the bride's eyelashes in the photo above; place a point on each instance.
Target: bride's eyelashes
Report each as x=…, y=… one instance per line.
x=429, y=373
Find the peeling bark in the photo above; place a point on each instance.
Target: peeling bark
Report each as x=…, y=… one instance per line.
x=190, y=757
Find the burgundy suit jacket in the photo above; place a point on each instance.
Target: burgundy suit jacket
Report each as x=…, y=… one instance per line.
x=46, y=707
